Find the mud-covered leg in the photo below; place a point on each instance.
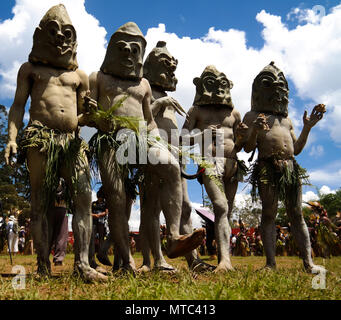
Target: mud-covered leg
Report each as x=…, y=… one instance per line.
x=269, y=198
x=36, y=163
x=193, y=261
x=129, y=204
x=230, y=191
x=116, y=198
x=79, y=185
x=222, y=227
x=299, y=228
x=168, y=171
x=143, y=230
x=150, y=225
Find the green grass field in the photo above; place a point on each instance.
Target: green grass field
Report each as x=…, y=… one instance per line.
x=247, y=282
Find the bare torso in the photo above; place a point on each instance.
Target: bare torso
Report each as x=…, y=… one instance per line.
x=165, y=119
x=107, y=90
x=208, y=117
x=278, y=141
x=54, y=96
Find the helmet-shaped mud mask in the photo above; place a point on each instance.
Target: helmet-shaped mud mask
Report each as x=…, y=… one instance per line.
x=124, y=56
x=55, y=40
x=159, y=68
x=213, y=87
x=270, y=92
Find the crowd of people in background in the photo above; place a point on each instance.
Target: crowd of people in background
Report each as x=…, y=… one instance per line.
x=325, y=236
x=14, y=238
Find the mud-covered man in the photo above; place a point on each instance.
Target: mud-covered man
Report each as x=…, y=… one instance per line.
x=120, y=79
x=51, y=144
x=159, y=69
x=276, y=174
x=219, y=125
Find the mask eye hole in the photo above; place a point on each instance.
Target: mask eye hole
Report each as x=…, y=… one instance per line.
x=52, y=27
x=68, y=34
x=266, y=83
x=224, y=83
x=53, y=32
x=210, y=81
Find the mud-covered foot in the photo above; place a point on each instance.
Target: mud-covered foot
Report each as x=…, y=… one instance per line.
x=315, y=269
x=125, y=270
x=165, y=267
x=223, y=267
x=104, y=259
x=90, y=275
x=38, y=275
x=186, y=243
x=144, y=269
x=200, y=266
x=268, y=267
x=102, y=271
x=44, y=269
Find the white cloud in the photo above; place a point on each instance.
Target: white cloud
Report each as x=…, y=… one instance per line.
x=134, y=221
x=16, y=35
x=311, y=58
x=313, y=15
x=227, y=50
x=312, y=196
x=326, y=190
x=330, y=174
x=308, y=55
x=309, y=196
x=316, y=151
x=196, y=219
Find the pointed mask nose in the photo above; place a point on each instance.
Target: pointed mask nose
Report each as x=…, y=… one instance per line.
x=60, y=36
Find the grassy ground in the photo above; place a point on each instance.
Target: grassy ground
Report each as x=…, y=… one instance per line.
x=248, y=281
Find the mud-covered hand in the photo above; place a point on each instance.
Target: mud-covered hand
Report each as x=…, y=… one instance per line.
x=10, y=151
x=241, y=131
x=261, y=124
x=167, y=102
x=90, y=104
x=315, y=116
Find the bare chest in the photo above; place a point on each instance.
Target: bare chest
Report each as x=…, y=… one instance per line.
x=279, y=127
x=210, y=116
x=113, y=88
x=45, y=79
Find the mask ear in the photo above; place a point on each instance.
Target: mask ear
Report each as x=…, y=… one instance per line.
x=231, y=84
x=196, y=81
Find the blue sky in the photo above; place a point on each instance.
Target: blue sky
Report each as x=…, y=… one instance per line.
x=240, y=38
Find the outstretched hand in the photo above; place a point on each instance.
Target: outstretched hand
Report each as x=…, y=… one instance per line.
x=168, y=102
x=90, y=104
x=261, y=124
x=315, y=116
x=10, y=151
x=241, y=130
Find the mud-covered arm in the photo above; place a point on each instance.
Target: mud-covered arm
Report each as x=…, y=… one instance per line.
x=147, y=113
x=187, y=136
x=250, y=142
x=17, y=110
x=308, y=122
x=255, y=123
x=160, y=104
x=240, y=130
x=87, y=99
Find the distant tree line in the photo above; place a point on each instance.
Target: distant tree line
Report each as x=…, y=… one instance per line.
x=14, y=183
